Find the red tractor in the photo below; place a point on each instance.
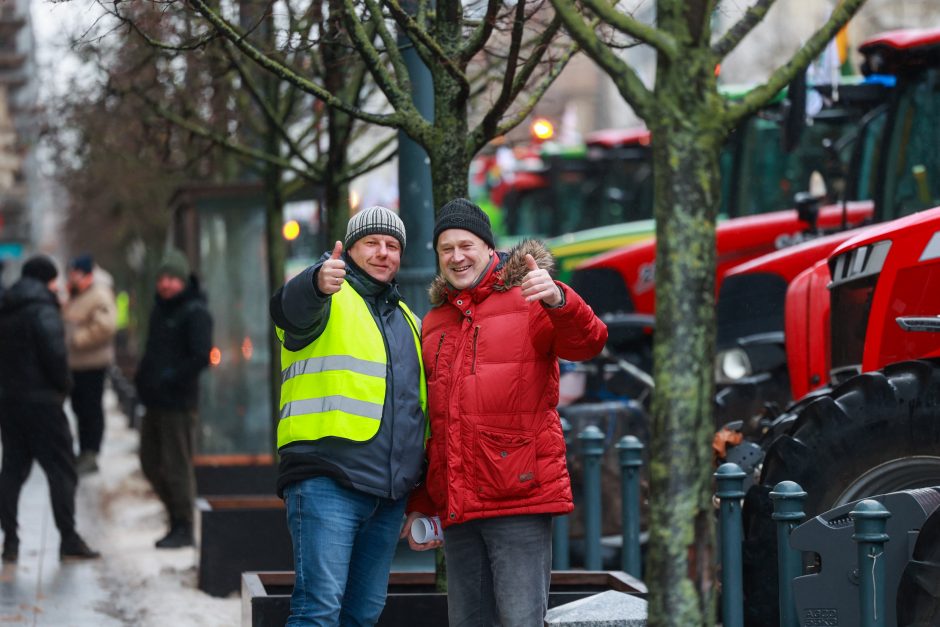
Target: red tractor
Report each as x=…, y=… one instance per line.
x=876, y=430
x=897, y=169
x=857, y=332
x=620, y=284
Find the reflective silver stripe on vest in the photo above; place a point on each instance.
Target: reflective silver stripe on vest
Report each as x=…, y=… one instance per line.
x=331, y=403
x=333, y=362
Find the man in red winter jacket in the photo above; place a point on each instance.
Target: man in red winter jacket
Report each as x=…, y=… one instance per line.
x=496, y=455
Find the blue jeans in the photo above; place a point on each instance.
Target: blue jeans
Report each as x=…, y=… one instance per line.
x=344, y=541
x=498, y=571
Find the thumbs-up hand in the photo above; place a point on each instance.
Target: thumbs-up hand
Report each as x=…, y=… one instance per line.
x=332, y=273
x=538, y=284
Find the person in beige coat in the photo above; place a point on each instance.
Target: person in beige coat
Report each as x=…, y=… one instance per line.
x=90, y=317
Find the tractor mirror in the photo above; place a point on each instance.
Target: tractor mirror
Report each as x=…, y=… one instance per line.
x=807, y=208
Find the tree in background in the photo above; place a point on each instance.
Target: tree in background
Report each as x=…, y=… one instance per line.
x=489, y=64
x=118, y=168
x=689, y=120
x=156, y=63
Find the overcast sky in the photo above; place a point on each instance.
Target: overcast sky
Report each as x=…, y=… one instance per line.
x=54, y=25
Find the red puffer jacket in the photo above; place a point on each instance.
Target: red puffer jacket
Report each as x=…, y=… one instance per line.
x=496, y=446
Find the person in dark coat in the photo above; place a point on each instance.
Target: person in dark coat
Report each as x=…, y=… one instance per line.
x=179, y=340
x=34, y=381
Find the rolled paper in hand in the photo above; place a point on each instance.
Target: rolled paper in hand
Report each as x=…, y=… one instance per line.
x=425, y=529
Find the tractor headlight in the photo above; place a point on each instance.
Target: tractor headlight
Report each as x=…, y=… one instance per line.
x=732, y=365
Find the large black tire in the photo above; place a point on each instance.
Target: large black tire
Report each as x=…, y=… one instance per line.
x=878, y=432
x=918, y=601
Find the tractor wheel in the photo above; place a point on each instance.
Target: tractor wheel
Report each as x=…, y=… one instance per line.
x=878, y=432
x=918, y=599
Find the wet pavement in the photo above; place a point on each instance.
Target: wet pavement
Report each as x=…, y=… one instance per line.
x=133, y=583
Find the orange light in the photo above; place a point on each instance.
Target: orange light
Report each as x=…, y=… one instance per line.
x=291, y=230
x=215, y=356
x=718, y=70
x=247, y=348
x=542, y=129
x=354, y=199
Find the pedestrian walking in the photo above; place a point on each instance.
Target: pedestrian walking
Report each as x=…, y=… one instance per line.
x=179, y=340
x=352, y=425
x=34, y=381
x=496, y=455
x=90, y=325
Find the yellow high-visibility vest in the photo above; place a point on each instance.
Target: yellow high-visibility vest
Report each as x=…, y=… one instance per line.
x=335, y=386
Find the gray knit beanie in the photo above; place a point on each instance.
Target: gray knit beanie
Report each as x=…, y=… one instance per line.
x=374, y=220
x=460, y=213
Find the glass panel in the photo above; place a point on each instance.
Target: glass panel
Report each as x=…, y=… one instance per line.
x=234, y=402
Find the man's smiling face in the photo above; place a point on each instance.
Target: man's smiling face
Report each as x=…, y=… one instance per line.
x=462, y=257
x=379, y=255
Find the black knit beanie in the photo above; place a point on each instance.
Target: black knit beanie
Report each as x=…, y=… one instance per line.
x=460, y=213
x=40, y=268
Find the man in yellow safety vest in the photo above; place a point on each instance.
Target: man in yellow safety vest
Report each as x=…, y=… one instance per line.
x=352, y=424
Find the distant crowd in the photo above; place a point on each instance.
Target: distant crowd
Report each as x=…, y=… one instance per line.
x=55, y=349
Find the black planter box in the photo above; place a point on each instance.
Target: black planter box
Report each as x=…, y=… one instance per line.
x=239, y=533
x=235, y=474
x=412, y=600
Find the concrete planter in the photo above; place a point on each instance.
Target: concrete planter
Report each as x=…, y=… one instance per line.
x=239, y=533
x=235, y=474
x=412, y=601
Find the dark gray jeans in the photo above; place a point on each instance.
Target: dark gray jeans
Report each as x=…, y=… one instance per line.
x=498, y=571
x=166, y=457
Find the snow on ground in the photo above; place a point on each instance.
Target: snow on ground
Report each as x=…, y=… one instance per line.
x=147, y=587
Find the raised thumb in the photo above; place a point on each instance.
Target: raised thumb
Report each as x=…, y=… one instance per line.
x=530, y=262
x=337, y=250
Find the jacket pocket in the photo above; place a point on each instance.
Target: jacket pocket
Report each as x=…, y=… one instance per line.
x=505, y=464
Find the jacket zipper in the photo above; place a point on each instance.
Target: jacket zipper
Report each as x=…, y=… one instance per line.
x=437, y=354
x=476, y=332
x=389, y=391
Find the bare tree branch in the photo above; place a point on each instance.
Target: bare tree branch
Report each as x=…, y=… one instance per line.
x=426, y=45
x=536, y=94
x=786, y=73
x=751, y=18
x=247, y=152
x=274, y=118
x=627, y=24
x=287, y=74
x=628, y=82
x=481, y=34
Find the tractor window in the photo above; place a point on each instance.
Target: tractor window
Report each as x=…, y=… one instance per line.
x=762, y=185
x=618, y=188
x=868, y=156
x=529, y=213
x=913, y=178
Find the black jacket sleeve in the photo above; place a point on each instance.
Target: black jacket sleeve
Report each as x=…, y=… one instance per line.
x=50, y=348
x=301, y=309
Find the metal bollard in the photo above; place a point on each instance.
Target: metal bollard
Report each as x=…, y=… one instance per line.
x=870, y=518
x=560, y=550
x=631, y=458
x=788, y=499
x=730, y=479
x=592, y=448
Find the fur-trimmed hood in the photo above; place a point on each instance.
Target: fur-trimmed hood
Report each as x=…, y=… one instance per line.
x=510, y=271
